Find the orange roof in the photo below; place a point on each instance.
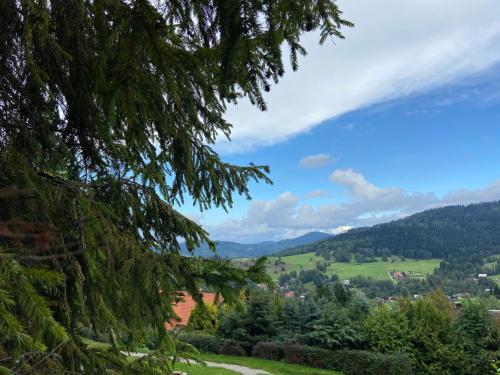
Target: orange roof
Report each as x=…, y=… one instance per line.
x=183, y=308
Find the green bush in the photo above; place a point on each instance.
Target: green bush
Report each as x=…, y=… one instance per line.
x=350, y=362
x=293, y=353
x=204, y=342
x=267, y=350
x=359, y=362
x=309, y=356
x=232, y=348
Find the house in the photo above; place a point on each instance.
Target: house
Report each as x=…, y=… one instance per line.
x=183, y=308
x=290, y=294
x=482, y=276
x=262, y=286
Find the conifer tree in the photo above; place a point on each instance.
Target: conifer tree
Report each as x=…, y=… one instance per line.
x=108, y=113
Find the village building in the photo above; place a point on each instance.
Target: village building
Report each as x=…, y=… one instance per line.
x=183, y=308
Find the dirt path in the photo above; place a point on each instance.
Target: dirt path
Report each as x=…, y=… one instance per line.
x=240, y=369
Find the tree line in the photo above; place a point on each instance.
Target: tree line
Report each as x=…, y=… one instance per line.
x=334, y=327
x=459, y=231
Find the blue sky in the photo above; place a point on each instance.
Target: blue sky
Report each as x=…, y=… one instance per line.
x=383, y=147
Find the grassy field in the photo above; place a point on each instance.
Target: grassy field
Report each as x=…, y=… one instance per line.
x=495, y=278
x=192, y=369
x=274, y=367
x=378, y=270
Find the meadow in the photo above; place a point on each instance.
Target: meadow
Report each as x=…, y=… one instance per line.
x=273, y=367
x=419, y=268
x=495, y=278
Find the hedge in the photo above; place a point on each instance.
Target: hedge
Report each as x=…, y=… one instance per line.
x=358, y=362
x=267, y=350
x=204, y=342
x=207, y=343
x=232, y=348
x=351, y=362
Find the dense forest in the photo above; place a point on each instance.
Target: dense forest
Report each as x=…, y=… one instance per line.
x=335, y=328
x=460, y=231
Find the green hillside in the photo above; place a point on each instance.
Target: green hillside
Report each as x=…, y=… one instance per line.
x=495, y=278
x=378, y=270
x=448, y=231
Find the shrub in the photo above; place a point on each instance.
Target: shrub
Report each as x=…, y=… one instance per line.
x=232, y=348
x=266, y=350
x=293, y=353
x=350, y=362
x=359, y=362
x=205, y=343
x=247, y=346
x=203, y=318
x=318, y=357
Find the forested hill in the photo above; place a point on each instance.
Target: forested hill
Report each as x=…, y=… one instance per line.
x=228, y=249
x=453, y=230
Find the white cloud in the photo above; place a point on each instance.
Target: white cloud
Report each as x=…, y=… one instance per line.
x=288, y=216
x=316, y=194
x=315, y=161
x=339, y=229
x=398, y=47
x=359, y=187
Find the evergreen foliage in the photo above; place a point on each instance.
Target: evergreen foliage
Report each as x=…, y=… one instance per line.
x=108, y=110
x=334, y=329
x=203, y=318
x=387, y=330
x=422, y=336
x=260, y=321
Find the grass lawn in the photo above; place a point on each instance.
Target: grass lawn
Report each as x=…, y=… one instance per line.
x=378, y=270
x=274, y=367
x=192, y=369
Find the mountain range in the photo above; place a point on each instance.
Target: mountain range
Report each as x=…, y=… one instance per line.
x=228, y=249
x=460, y=231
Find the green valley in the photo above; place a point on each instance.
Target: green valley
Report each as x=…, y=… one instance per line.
x=379, y=270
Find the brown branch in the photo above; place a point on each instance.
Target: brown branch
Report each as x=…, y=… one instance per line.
x=41, y=258
x=13, y=192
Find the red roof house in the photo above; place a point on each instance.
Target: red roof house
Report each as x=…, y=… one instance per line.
x=184, y=307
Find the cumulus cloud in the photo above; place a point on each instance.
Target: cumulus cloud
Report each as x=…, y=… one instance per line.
x=316, y=194
x=360, y=188
x=315, y=161
x=289, y=216
x=410, y=46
